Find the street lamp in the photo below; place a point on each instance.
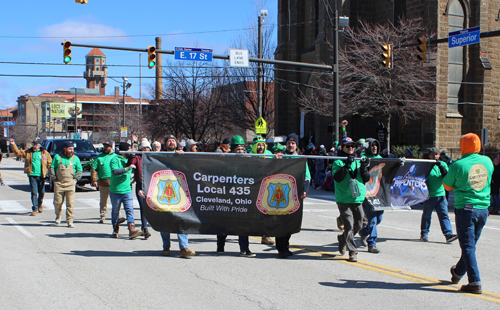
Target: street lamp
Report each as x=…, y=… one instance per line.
x=262, y=17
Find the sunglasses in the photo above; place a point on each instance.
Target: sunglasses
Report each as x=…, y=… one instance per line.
x=350, y=146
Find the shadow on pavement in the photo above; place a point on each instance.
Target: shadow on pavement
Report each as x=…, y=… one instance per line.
x=387, y=285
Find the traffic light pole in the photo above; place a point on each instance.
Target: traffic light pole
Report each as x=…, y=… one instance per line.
x=335, y=72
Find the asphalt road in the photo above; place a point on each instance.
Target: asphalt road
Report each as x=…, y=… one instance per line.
x=44, y=266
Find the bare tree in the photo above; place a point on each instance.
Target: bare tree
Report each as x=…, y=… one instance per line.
x=368, y=88
x=191, y=107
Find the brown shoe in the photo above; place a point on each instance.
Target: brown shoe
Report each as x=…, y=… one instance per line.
x=474, y=289
x=146, y=233
x=342, y=245
x=40, y=209
x=122, y=220
x=267, y=240
x=116, y=228
x=166, y=252
x=454, y=278
x=33, y=213
x=373, y=249
x=186, y=253
x=132, y=232
x=353, y=257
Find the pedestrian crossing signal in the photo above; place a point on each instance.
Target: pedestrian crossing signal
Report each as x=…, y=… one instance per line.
x=151, y=57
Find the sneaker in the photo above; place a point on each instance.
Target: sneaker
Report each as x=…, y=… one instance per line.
x=290, y=253
x=3, y=184
x=424, y=238
x=342, y=245
x=58, y=220
x=165, y=252
x=454, y=278
x=247, y=254
x=283, y=254
x=267, y=240
x=363, y=240
x=353, y=257
x=122, y=220
x=220, y=250
x=71, y=225
x=474, y=289
x=101, y=221
x=187, y=253
x=451, y=238
x=34, y=213
x=373, y=249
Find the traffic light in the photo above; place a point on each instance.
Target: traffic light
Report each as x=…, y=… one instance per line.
x=67, y=52
x=151, y=57
x=387, y=55
x=422, y=49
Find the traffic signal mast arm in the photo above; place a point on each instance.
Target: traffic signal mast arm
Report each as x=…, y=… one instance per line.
x=224, y=57
x=489, y=34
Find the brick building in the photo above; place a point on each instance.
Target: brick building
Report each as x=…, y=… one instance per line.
x=467, y=78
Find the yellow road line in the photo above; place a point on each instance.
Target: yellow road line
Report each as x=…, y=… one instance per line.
x=397, y=273
x=16, y=175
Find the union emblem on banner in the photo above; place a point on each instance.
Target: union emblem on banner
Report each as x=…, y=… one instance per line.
x=278, y=195
x=168, y=192
x=373, y=185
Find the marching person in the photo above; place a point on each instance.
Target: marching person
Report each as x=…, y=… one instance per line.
x=101, y=176
x=350, y=177
x=470, y=179
x=65, y=171
x=259, y=146
x=292, y=148
x=185, y=252
x=437, y=200
x=368, y=233
x=224, y=147
x=120, y=189
x=36, y=166
x=137, y=162
x=237, y=146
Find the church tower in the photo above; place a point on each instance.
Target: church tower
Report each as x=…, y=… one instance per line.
x=96, y=71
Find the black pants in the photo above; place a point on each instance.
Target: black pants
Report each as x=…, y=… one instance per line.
x=282, y=243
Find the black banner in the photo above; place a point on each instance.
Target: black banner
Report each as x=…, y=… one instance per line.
x=409, y=186
x=378, y=189
x=233, y=195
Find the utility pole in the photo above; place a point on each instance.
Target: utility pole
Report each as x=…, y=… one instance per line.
x=125, y=87
x=262, y=16
x=76, y=110
x=335, y=65
x=140, y=85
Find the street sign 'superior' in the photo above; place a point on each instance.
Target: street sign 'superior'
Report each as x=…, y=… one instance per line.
x=194, y=54
x=464, y=37
x=260, y=126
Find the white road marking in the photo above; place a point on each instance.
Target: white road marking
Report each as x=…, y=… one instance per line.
x=20, y=228
x=13, y=206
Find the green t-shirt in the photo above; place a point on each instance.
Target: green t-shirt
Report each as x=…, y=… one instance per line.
x=120, y=184
x=36, y=164
x=435, y=181
x=65, y=160
x=470, y=178
x=102, y=164
x=342, y=189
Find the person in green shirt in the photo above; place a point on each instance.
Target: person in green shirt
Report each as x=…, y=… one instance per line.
x=350, y=176
x=120, y=189
x=65, y=171
x=470, y=179
x=101, y=176
x=437, y=200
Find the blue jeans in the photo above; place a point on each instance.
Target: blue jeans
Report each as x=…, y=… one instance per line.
x=441, y=205
x=469, y=226
x=37, y=191
x=128, y=204
x=370, y=230
x=183, y=240
x=495, y=201
x=140, y=200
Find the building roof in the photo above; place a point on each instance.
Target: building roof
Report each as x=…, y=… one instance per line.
x=7, y=112
x=95, y=52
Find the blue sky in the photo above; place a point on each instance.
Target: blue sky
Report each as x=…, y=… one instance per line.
x=32, y=31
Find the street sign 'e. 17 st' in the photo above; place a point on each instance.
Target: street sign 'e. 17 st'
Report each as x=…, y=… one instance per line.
x=464, y=37
x=9, y=123
x=194, y=54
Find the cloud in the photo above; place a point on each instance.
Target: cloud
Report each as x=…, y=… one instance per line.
x=82, y=30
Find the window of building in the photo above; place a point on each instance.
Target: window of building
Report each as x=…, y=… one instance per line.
x=97, y=68
x=456, y=55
